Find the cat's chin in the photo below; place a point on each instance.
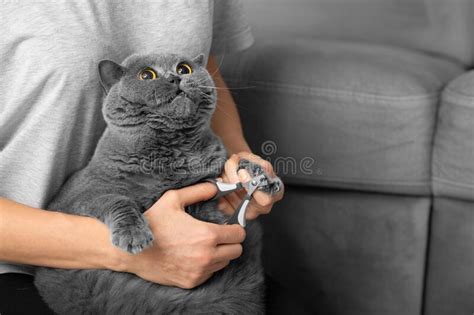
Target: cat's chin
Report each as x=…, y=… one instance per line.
x=181, y=106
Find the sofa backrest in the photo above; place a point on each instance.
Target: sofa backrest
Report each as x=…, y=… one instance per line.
x=440, y=27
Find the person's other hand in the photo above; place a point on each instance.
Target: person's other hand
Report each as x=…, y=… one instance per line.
x=261, y=203
x=185, y=252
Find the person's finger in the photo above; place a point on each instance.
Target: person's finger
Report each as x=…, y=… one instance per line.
x=244, y=176
x=225, y=206
x=240, y=194
x=253, y=209
x=227, y=252
x=259, y=197
x=249, y=156
x=203, y=278
x=231, y=166
x=229, y=203
x=229, y=233
x=193, y=194
x=235, y=199
x=218, y=266
x=263, y=199
x=261, y=202
x=252, y=214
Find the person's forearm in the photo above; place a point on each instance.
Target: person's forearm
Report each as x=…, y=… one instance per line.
x=53, y=239
x=226, y=120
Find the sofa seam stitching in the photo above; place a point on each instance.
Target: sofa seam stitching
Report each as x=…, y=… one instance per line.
x=340, y=93
x=451, y=93
x=450, y=182
x=354, y=180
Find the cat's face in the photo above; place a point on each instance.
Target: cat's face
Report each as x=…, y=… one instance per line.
x=159, y=91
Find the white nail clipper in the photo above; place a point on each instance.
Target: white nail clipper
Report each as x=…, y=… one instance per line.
x=251, y=186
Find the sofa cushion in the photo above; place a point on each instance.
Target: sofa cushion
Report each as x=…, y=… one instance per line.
x=345, y=252
x=453, y=154
x=341, y=114
x=437, y=26
x=450, y=280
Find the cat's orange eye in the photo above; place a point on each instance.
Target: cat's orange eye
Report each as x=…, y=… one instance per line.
x=184, y=68
x=147, y=74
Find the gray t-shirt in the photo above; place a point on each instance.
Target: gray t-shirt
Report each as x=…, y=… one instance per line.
x=50, y=97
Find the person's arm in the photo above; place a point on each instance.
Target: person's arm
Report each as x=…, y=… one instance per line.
x=45, y=238
x=226, y=121
x=226, y=124
x=185, y=253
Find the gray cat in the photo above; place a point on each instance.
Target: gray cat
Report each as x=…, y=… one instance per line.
x=158, y=137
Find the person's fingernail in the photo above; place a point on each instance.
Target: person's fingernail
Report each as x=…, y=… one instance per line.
x=244, y=176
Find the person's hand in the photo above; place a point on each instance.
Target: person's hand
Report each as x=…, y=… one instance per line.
x=185, y=252
x=261, y=203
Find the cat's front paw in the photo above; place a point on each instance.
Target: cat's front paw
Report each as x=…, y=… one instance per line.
x=132, y=238
x=271, y=185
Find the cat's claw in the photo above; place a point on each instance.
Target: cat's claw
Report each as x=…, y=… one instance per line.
x=133, y=239
x=273, y=184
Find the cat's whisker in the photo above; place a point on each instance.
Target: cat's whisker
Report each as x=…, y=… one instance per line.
x=218, y=108
x=206, y=95
x=218, y=66
x=202, y=80
x=227, y=88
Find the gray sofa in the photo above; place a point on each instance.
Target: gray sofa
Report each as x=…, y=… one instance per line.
x=366, y=108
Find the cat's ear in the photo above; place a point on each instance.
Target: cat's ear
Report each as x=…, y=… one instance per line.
x=199, y=59
x=110, y=73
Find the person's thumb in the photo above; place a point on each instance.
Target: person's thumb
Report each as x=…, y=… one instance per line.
x=196, y=193
x=231, y=167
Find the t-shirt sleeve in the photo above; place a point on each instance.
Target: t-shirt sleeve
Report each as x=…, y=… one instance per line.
x=231, y=30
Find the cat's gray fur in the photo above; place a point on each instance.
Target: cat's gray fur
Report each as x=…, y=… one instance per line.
x=157, y=138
